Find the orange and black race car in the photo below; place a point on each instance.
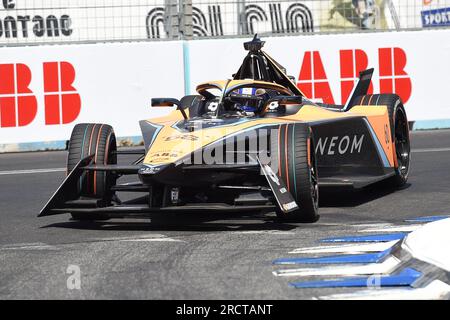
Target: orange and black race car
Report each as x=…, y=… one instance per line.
x=250, y=143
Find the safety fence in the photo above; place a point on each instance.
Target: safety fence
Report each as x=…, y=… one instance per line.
x=69, y=21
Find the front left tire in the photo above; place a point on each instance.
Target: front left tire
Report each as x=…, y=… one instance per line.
x=298, y=168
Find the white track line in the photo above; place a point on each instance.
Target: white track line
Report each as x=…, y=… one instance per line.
x=430, y=150
x=407, y=228
x=433, y=291
x=28, y=246
x=350, y=249
x=385, y=267
x=274, y=232
x=31, y=171
x=152, y=240
x=372, y=225
x=145, y=238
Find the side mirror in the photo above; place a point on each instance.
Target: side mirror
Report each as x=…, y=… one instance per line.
x=287, y=100
x=292, y=78
x=165, y=102
x=169, y=102
x=272, y=105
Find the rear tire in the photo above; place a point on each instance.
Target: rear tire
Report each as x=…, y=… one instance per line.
x=399, y=132
x=98, y=140
x=298, y=168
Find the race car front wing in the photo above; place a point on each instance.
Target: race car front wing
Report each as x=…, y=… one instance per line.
x=66, y=199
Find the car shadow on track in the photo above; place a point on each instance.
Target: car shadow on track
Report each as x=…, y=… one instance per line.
x=211, y=222
x=356, y=197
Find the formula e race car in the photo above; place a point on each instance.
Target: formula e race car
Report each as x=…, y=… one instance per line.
x=250, y=143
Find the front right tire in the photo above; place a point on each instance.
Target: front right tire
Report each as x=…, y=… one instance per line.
x=99, y=140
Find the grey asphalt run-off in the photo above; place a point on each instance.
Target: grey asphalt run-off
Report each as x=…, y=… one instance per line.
x=213, y=256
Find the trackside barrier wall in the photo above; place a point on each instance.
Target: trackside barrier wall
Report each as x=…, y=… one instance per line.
x=46, y=90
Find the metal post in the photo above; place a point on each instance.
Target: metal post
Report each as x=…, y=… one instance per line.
x=393, y=14
x=171, y=21
x=241, y=18
x=186, y=26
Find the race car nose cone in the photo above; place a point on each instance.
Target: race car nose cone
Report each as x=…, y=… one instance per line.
x=147, y=169
x=150, y=173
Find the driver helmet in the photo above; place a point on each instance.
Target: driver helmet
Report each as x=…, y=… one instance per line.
x=251, y=105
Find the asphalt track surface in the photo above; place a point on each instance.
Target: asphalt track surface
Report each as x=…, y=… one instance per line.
x=197, y=257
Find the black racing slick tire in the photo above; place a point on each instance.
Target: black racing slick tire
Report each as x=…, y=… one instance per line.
x=297, y=166
x=399, y=132
x=98, y=140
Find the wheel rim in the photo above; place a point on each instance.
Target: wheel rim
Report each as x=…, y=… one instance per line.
x=314, y=179
x=401, y=140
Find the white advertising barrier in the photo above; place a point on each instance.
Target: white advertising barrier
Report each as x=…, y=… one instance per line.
x=46, y=90
x=414, y=64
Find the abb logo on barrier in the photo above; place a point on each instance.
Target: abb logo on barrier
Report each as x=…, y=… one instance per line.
x=393, y=78
x=18, y=104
